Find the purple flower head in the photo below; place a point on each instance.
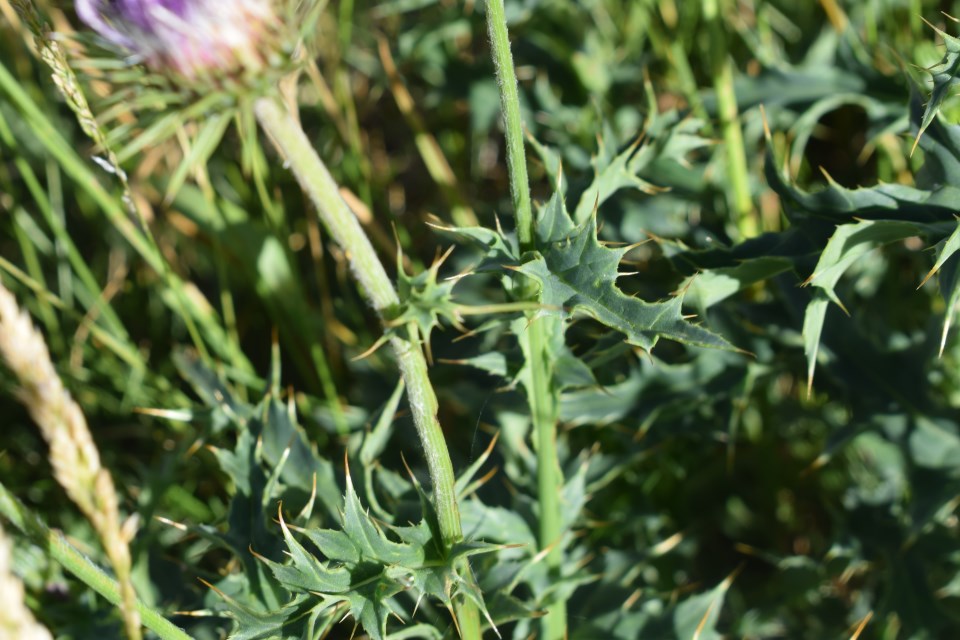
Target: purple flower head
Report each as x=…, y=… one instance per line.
x=191, y=37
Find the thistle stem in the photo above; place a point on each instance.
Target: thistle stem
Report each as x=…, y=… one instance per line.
x=317, y=183
x=513, y=124
x=541, y=394
x=79, y=565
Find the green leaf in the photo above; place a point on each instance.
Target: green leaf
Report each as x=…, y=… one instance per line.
x=934, y=445
x=304, y=471
x=498, y=247
x=577, y=273
x=850, y=243
x=949, y=281
x=696, y=617
x=707, y=289
x=335, y=545
x=364, y=568
x=204, y=144
x=600, y=406
x=376, y=440
x=424, y=300
x=365, y=588
x=496, y=523
x=612, y=176
x=306, y=573
x=884, y=201
x=258, y=625
x=495, y=363
x=944, y=74
x=372, y=544
x=671, y=140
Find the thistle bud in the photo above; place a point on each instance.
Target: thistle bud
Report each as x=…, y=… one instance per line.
x=194, y=39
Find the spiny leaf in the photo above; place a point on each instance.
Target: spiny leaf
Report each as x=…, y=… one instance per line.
x=281, y=435
x=364, y=568
x=932, y=203
x=465, y=480
x=306, y=573
x=364, y=587
x=499, y=248
x=945, y=249
x=372, y=544
x=424, y=300
x=847, y=245
x=926, y=210
x=944, y=75
x=949, y=280
x=610, y=177
x=884, y=201
x=612, y=172
x=577, y=273
x=259, y=625
x=335, y=545
x=882, y=117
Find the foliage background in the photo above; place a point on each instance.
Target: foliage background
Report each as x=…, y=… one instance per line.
x=713, y=476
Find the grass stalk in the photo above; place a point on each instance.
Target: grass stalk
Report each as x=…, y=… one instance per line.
x=79, y=565
x=73, y=454
x=541, y=395
x=65, y=243
x=16, y=620
x=430, y=152
x=181, y=297
x=52, y=54
x=320, y=187
x=721, y=67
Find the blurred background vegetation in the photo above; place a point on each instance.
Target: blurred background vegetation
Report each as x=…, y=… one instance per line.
x=833, y=512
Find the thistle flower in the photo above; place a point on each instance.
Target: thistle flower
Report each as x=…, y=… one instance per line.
x=193, y=38
x=206, y=61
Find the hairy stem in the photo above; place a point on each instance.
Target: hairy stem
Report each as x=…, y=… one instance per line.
x=315, y=180
x=541, y=394
x=513, y=125
x=79, y=565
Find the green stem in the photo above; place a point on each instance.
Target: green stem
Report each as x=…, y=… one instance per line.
x=513, y=124
x=541, y=394
x=343, y=226
x=722, y=71
x=79, y=565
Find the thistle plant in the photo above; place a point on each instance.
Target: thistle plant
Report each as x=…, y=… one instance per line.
x=247, y=47
x=611, y=463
